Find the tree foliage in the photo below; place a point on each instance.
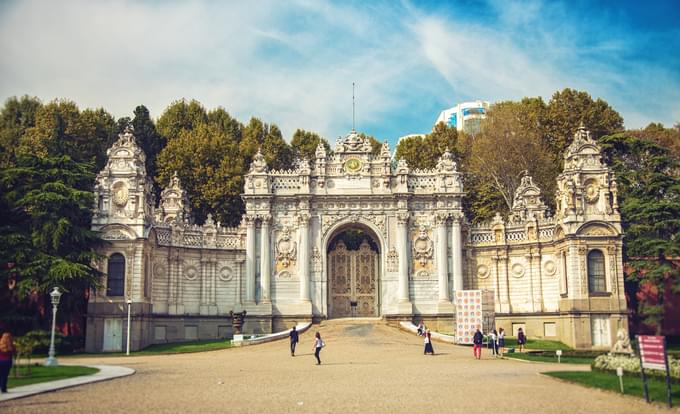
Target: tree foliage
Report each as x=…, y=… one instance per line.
x=507, y=145
x=304, y=144
x=179, y=116
x=45, y=236
x=666, y=137
x=422, y=152
x=568, y=109
x=649, y=198
x=60, y=128
x=16, y=117
x=267, y=138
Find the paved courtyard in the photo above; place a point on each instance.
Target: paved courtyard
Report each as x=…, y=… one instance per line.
x=366, y=368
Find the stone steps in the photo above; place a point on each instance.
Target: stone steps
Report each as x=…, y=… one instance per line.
x=353, y=321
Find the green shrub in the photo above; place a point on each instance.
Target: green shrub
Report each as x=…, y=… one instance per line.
x=631, y=365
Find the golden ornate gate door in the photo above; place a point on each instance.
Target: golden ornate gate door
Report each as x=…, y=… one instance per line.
x=352, y=276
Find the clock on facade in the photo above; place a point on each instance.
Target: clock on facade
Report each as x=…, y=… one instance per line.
x=352, y=165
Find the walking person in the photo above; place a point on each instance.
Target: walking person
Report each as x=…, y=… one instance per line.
x=428, y=343
x=318, y=344
x=294, y=338
x=501, y=341
x=421, y=328
x=493, y=344
x=6, y=354
x=477, y=344
x=521, y=339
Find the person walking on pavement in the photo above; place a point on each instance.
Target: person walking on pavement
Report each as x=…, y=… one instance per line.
x=294, y=338
x=7, y=351
x=521, y=339
x=428, y=343
x=318, y=344
x=501, y=341
x=493, y=345
x=477, y=344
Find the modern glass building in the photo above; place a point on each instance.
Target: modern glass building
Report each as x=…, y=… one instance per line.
x=465, y=116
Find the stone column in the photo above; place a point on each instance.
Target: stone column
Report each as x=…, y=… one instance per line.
x=442, y=259
x=402, y=246
x=457, y=247
x=265, y=267
x=250, y=259
x=303, y=262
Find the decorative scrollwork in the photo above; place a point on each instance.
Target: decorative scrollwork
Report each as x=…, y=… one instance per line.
x=286, y=249
x=423, y=247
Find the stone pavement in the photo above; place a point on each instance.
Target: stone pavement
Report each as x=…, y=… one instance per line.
x=366, y=367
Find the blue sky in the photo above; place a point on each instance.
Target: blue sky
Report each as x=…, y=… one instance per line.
x=293, y=63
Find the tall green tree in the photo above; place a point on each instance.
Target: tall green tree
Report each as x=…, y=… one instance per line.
x=568, y=109
x=61, y=129
x=149, y=140
x=268, y=139
x=45, y=236
x=665, y=137
x=181, y=115
x=506, y=148
x=209, y=166
x=16, y=116
x=304, y=144
x=649, y=198
x=424, y=152
x=224, y=122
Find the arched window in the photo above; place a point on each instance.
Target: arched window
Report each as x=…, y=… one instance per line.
x=115, y=282
x=596, y=276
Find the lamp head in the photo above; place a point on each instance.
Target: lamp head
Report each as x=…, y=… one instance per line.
x=55, y=294
x=129, y=301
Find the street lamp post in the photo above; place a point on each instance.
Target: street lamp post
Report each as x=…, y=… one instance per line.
x=55, y=295
x=129, y=304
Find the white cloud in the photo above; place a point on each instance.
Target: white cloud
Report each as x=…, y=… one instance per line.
x=293, y=64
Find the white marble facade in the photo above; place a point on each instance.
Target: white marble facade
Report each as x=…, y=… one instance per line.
x=184, y=280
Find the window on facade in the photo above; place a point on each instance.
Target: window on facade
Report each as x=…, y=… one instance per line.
x=115, y=282
x=596, y=277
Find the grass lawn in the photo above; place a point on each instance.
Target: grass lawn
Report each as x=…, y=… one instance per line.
x=185, y=347
x=546, y=358
x=160, y=349
x=511, y=342
x=631, y=385
x=40, y=373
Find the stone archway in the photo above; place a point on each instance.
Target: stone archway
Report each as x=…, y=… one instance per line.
x=353, y=273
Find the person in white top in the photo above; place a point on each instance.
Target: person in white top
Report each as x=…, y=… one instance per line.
x=501, y=341
x=318, y=344
x=493, y=344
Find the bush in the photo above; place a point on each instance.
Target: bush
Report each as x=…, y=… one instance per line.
x=631, y=365
x=63, y=344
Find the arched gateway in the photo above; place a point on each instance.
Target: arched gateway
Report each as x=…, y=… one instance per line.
x=408, y=219
x=353, y=273
x=354, y=233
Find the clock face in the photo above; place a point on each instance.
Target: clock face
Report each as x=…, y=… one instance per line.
x=352, y=165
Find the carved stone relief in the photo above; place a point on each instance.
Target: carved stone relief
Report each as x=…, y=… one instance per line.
x=422, y=247
x=517, y=270
x=225, y=274
x=483, y=271
x=392, y=260
x=286, y=249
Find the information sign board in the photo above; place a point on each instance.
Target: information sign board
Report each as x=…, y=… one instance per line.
x=652, y=352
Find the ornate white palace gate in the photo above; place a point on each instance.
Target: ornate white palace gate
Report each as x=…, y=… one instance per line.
x=558, y=276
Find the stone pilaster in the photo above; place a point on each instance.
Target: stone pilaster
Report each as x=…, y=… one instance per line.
x=250, y=258
x=303, y=262
x=442, y=259
x=457, y=246
x=265, y=264
x=404, y=304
